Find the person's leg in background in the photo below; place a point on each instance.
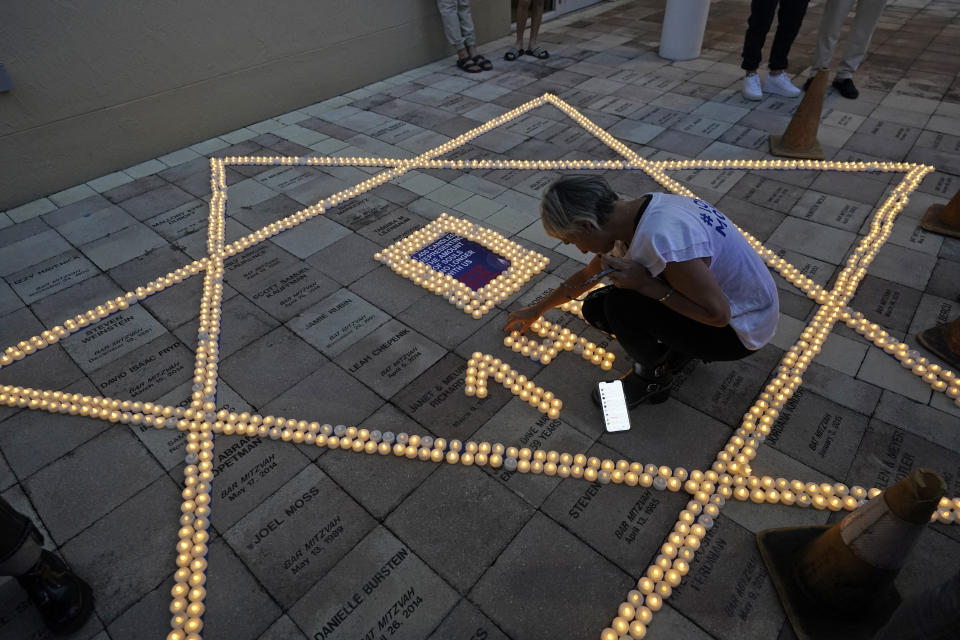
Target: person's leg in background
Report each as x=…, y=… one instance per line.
x=858, y=41
x=536, y=17
x=451, y=14
x=758, y=25
x=523, y=12
x=64, y=600
x=834, y=13
x=469, y=35
x=789, y=19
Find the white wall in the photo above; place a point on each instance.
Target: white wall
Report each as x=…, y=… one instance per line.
x=102, y=85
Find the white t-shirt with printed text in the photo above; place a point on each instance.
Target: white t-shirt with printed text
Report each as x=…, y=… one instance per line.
x=677, y=228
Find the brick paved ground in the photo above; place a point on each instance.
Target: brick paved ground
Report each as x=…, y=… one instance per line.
x=301, y=535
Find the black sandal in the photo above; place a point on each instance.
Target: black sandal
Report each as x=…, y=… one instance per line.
x=512, y=54
x=468, y=65
x=485, y=64
x=539, y=52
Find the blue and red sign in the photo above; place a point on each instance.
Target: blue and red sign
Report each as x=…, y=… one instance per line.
x=472, y=264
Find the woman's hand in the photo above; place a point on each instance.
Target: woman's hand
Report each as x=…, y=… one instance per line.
x=521, y=319
x=631, y=275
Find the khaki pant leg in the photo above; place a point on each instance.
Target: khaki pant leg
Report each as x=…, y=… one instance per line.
x=861, y=31
x=834, y=13
x=466, y=23
x=451, y=22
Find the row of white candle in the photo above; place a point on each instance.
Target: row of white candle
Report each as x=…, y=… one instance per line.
x=300, y=431
x=557, y=339
x=188, y=594
x=572, y=164
x=483, y=365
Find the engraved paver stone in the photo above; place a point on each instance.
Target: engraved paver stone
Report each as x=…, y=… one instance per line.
x=99, y=344
x=299, y=533
x=390, y=357
x=151, y=370
x=337, y=322
x=50, y=276
x=729, y=566
x=379, y=589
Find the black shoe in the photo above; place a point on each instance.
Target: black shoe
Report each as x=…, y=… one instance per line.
x=677, y=360
x=64, y=600
x=846, y=88
x=639, y=389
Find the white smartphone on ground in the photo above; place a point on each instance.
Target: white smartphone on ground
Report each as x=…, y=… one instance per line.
x=614, y=406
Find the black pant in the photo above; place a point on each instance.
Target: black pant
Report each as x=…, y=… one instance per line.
x=758, y=25
x=18, y=549
x=647, y=330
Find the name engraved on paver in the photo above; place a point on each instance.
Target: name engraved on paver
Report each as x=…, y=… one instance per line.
x=897, y=463
x=381, y=348
x=181, y=221
x=286, y=178
x=837, y=210
x=112, y=337
x=789, y=407
x=445, y=389
x=389, y=620
x=149, y=371
x=51, y=276
x=535, y=437
x=710, y=552
x=291, y=288
x=387, y=228
x=233, y=455
x=338, y=322
x=582, y=503
x=247, y=471
x=360, y=212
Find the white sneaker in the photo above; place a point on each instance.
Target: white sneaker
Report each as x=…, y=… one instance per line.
x=751, y=87
x=780, y=85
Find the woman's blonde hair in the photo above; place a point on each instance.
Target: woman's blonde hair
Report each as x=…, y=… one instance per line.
x=572, y=199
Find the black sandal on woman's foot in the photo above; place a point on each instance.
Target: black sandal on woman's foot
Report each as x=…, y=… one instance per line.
x=512, y=54
x=539, y=52
x=468, y=65
x=485, y=64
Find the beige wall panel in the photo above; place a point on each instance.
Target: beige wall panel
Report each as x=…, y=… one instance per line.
x=99, y=86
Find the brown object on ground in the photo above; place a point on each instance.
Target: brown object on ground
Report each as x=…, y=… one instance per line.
x=837, y=581
x=859, y=557
x=800, y=138
x=944, y=341
x=943, y=218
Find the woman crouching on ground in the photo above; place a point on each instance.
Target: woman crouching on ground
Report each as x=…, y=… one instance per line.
x=686, y=284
